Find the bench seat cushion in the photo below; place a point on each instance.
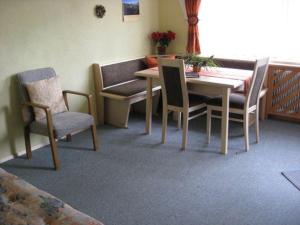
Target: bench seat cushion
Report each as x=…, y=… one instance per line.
x=128, y=89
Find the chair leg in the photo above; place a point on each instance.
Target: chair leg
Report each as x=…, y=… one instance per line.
x=246, y=130
x=164, y=124
x=27, y=142
x=257, y=124
x=54, y=151
x=95, y=140
x=179, y=121
x=208, y=125
x=185, y=129
x=69, y=138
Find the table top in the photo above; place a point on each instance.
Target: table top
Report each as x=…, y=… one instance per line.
x=223, y=77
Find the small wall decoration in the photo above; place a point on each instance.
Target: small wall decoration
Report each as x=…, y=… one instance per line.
x=100, y=11
x=131, y=10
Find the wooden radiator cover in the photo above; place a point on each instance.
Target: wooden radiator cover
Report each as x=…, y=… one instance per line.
x=283, y=97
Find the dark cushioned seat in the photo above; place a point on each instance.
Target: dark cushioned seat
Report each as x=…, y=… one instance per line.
x=235, y=101
x=197, y=99
x=63, y=123
x=128, y=89
x=231, y=115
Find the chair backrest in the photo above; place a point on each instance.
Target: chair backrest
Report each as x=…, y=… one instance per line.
x=27, y=77
x=259, y=74
x=173, y=82
x=121, y=72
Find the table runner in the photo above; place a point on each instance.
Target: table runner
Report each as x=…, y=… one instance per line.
x=227, y=73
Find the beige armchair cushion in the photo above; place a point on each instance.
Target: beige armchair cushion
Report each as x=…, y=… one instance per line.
x=47, y=92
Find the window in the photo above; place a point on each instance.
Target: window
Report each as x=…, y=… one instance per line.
x=250, y=29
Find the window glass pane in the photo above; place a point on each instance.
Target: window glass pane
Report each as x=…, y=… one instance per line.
x=250, y=29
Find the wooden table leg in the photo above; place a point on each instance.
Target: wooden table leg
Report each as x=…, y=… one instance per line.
x=225, y=120
x=262, y=107
x=149, y=106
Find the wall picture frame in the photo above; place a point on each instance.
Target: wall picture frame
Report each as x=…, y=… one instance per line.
x=131, y=10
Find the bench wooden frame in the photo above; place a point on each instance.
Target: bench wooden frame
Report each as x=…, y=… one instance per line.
x=112, y=108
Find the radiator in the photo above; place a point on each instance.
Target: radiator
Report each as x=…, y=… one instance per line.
x=283, y=98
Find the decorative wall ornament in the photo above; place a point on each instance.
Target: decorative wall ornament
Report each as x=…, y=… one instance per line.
x=131, y=10
x=100, y=11
x=193, y=20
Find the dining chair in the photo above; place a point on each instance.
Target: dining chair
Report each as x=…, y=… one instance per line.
x=53, y=125
x=242, y=106
x=176, y=97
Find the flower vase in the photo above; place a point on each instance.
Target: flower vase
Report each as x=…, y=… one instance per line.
x=161, y=50
x=196, y=69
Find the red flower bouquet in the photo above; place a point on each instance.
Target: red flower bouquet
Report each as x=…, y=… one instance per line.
x=163, y=38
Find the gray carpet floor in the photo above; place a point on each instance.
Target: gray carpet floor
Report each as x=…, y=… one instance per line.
x=135, y=180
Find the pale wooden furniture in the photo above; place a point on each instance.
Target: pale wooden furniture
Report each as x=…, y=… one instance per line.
x=176, y=97
x=204, y=85
x=247, y=65
x=117, y=89
x=55, y=126
x=240, y=106
x=283, y=98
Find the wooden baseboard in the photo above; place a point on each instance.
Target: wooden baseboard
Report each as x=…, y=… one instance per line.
x=23, y=152
x=284, y=118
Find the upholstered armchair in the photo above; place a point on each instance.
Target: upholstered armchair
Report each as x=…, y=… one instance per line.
x=54, y=125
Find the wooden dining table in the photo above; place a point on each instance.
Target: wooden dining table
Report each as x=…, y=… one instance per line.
x=212, y=82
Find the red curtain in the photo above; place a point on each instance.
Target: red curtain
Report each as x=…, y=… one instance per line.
x=192, y=9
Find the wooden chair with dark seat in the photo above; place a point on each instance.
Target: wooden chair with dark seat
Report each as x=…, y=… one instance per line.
x=245, y=65
x=241, y=106
x=55, y=126
x=176, y=97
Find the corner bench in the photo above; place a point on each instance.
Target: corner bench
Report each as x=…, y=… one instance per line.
x=117, y=88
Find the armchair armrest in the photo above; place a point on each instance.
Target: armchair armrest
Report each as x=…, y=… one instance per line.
x=76, y=93
x=87, y=96
x=47, y=111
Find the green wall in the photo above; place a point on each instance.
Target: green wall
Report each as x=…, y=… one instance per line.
x=172, y=18
x=65, y=35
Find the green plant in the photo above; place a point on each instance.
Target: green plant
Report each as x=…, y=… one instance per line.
x=199, y=61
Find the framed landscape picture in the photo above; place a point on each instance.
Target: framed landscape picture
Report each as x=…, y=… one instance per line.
x=131, y=10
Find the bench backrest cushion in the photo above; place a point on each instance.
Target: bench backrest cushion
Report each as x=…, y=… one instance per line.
x=235, y=64
x=121, y=72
